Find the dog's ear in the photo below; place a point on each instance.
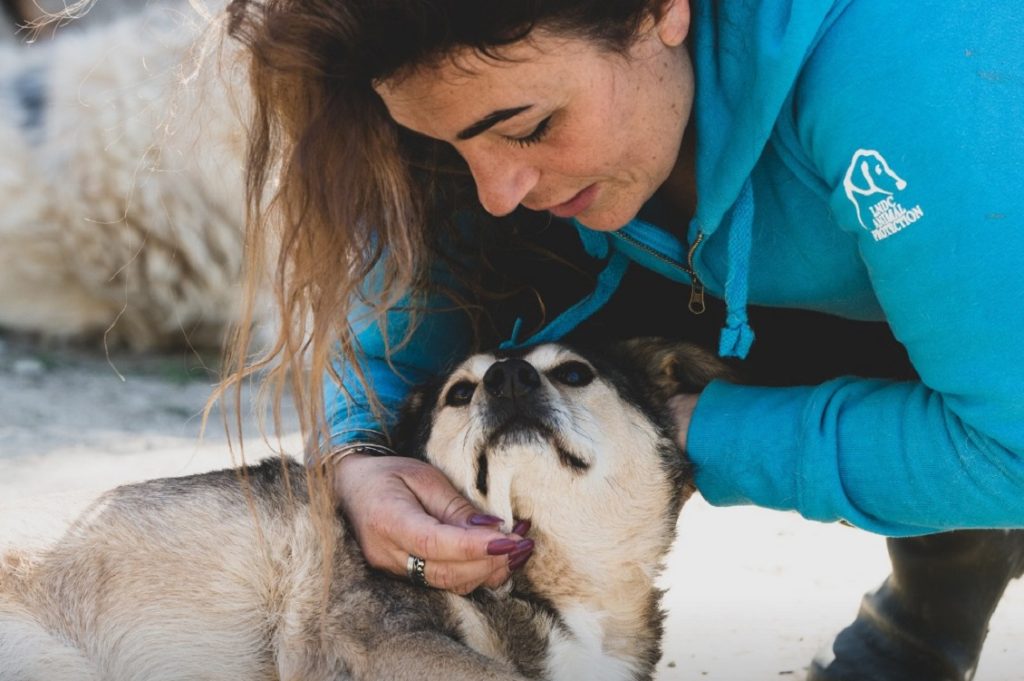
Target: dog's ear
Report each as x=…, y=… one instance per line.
x=412, y=429
x=673, y=367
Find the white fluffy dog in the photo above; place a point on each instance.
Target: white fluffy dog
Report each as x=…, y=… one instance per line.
x=121, y=195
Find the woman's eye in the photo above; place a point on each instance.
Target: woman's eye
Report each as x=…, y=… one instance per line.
x=575, y=374
x=532, y=138
x=460, y=394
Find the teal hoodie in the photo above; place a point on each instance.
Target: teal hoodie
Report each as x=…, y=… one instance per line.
x=863, y=158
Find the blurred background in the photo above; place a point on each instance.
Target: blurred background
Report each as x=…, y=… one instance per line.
x=121, y=210
x=122, y=134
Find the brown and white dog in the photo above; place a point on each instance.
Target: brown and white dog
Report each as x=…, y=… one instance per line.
x=222, y=576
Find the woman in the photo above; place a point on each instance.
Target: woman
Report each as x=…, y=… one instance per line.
x=837, y=156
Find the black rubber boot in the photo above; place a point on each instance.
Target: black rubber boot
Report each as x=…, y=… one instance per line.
x=929, y=619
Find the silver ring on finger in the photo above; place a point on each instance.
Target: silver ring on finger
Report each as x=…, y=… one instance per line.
x=416, y=569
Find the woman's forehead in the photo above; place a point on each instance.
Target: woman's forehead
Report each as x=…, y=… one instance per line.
x=539, y=54
x=468, y=85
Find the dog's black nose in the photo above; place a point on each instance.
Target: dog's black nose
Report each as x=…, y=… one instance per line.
x=511, y=378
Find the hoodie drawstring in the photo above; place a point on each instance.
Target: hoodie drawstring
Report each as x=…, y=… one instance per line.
x=737, y=336
x=596, y=244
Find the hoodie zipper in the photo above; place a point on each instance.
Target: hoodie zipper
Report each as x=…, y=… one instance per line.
x=696, y=304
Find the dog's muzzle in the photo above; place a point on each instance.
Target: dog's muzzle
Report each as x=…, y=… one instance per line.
x=517, y=410
x=515, y=402
x=511, y=379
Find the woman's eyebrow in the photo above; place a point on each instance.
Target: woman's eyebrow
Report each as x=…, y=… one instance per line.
x=490, y=120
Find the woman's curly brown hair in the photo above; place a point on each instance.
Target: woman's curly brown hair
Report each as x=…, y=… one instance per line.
x=335, y=189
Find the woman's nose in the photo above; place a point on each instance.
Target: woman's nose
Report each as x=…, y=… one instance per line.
x=502, y=184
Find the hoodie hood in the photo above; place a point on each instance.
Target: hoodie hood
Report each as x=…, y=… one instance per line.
x=746, y=56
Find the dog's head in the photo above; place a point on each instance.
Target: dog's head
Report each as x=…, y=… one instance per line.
x=578, y=441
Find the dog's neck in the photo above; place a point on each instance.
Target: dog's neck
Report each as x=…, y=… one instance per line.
x=607, y=598
x=594, y=566
x=604, y=625
x=595, y=616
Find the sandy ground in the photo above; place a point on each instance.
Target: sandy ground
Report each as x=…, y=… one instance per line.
x=752, y=594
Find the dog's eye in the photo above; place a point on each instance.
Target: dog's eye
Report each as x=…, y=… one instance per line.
x=575, y=374
x=460, y=394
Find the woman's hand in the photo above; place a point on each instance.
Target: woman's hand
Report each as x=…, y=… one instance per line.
x=400, y=506
x=681, y=407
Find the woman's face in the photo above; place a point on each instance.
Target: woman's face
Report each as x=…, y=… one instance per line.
x=560, y=124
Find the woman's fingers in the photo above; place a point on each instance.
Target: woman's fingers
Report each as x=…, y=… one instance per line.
x=457, y=558
x=452, y=511
x=423, y=535
x=439, y=497
x=464, y=576
x=390, y=502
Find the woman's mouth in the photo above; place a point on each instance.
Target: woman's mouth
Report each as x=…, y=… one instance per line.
x=576, y=204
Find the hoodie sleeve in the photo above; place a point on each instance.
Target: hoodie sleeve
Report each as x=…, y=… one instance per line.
x=392, y=364
x=911, y=117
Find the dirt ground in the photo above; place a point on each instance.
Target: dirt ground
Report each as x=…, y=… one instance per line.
x=752, y=594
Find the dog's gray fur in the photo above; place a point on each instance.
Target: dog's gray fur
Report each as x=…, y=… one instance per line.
x=220, y=576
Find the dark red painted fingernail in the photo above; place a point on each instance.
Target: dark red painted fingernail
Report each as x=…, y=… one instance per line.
x=485, y=520
x=500, y=547
x=519, y=560
x=522, y=527
x=524, y=549
x=517, y=554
